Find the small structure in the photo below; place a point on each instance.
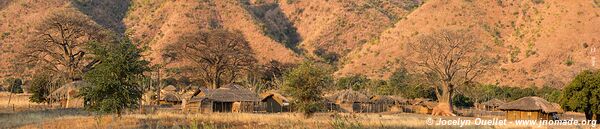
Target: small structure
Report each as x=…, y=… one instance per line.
x=348, y=101
x=68, y=94
x=492, y=105
x=228, y=98
x=169, y=95
x=381, y=103
x=422, y=106
x=531, y=108
x=275, y=102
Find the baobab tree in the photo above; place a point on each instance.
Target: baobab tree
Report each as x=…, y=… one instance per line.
x=217, y=56
x=59, y=44
x=449, y=58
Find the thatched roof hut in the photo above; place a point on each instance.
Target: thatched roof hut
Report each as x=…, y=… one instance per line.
x=348, y=96
x=531, y=108
x=229, y=93
x=169, y=88
x=278, y=97
x=274, y=102
x=70, y=89
x=348, y=101
x=491, y=104
x=532, y=104
x=228, y=98
x=68, y=94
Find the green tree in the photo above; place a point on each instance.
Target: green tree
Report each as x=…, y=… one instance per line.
x=354, y=82
x=305, y=84
x=40, y=87
x=583, y=95
x=14, y=85
x=114, y=84
x=402, y=82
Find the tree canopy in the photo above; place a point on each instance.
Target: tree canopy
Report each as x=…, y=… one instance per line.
x=217, y=56
x=305, y=84
x=583, y=94
x=114, y=82
x=59, y=44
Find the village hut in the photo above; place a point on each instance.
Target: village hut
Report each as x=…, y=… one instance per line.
x=382, y=103
x=421, y=106
x=168, y=89
x=169, y=95
x=531, y=108
x=274, y=102
x=492, y=105
x=68, y=94
x=348, y=101
x=228, y=98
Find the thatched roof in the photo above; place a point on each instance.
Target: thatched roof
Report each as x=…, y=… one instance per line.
x=280, y=98
x=169, y=88
x=71, y=88
x=417, y=101
x=494, y=103
x=229, y=93
x=532, y=104
x=170, y=97
x=388, y=99
x=348, y=96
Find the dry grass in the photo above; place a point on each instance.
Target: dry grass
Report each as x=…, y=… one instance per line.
x=18, y=103
x=26, y=117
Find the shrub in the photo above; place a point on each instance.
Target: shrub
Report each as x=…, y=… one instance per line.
x=115, y=82
x=305, y=84
x=40, y=88
x=537, y=1
x=354, y=82
x=583, y=94
x=14, y=85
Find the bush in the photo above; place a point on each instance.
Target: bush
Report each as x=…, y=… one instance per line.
x=583, y=94
x=460, y=100
x=305, y=84
x=40, y=88
x=115, y=82
x=14, y=85
x=537, y=1
x=402, y=82
x=354, y=82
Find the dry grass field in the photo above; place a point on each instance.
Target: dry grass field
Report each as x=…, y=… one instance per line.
x=36, y=117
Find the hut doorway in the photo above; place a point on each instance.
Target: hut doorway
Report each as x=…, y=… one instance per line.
x=222, y=106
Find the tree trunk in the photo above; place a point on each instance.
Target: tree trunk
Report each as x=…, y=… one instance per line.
x=589, y=115
x=444, y=107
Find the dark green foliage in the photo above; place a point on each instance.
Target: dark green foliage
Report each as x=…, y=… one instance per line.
x=305, y=84
x=460, y=100
x=409, y=86
x=481, y=93
x=354, y=82
x=583, y=94
x=14, y=85
x=40, y=87
x=380, y=87
x=114, y=82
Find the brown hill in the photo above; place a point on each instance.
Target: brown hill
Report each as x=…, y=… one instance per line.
x=538, y=42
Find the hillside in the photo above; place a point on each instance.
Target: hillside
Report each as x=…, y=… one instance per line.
x=535, y=42
x=543, y=43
